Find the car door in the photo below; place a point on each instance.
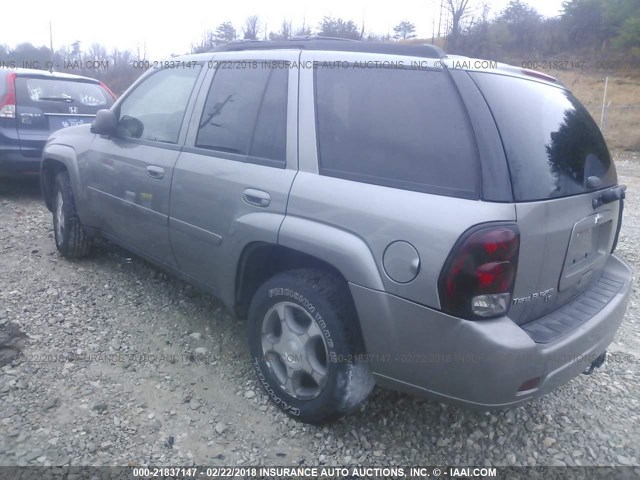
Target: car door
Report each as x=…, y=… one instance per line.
x=232, y=180
x=129, y=174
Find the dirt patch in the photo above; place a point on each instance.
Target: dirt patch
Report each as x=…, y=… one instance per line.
x=622, y=120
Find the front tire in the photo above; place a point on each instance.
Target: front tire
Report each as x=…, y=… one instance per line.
x=71, y=239
x=306, y=346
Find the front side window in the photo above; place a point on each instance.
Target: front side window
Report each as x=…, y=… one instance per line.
x=246, y=113
x=401, y=128
x=155, y=109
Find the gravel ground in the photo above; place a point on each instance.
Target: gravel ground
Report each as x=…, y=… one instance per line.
x=123, y=364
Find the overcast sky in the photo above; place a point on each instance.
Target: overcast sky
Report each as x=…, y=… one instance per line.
x=165, y=28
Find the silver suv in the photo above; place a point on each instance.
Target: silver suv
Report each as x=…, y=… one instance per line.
x=380, y=214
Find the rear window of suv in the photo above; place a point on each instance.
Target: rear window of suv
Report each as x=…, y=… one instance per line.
x=398, y=127
x=552, y=144
x=47, y=91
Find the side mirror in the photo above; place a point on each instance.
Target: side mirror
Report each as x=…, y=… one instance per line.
x=105, y=123
x=131, y=127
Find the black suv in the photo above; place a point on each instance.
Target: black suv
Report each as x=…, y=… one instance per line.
x=36, y=103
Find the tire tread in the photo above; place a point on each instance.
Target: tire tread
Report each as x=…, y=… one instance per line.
x=77, y=244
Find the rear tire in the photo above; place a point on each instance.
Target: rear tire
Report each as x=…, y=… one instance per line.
x=306, y=346
x=71, y=239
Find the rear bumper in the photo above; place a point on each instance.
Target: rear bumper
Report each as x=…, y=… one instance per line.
x=17, y=161
x=481, y=364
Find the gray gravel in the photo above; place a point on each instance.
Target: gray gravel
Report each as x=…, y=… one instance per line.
x=123, y=364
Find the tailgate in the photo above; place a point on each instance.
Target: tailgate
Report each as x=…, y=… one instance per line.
x=564, y=246
x=47, y=103
x=564, y=187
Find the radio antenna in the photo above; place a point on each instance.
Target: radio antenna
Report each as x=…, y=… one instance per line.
x=51, y=47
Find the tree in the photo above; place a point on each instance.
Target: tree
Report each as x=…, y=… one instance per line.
x=304, y=30
x=251, y=29
x=284, y=33
x=404, y=30
x=75, y=50
x=630, y=36
x=225, y=32
x=476, y=40
x=97, y=52
x=523, y=22
x=336, y=27
x=207, y=43
x=622, y=21
x=459, y=10
x=583, y=21
x=28, y=55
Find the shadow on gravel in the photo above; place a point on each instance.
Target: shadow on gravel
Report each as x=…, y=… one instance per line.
x=20, y=188
x=11, y=342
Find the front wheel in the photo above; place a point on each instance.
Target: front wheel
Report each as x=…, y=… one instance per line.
x=71, y=239
x=306, y=346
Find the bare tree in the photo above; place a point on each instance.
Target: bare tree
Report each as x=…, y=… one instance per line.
x=304, y=30
x=251, y=28
x=97, y=52
x=284, y=33
x=459, y=10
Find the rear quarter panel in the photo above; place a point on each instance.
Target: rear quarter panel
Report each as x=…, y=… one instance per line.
x=376, y=216
x=373, y=216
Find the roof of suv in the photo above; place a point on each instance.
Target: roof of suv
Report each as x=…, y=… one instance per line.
x=30, y=72
x=331, y=44
x=314, y=42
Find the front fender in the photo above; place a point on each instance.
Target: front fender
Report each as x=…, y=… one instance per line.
x=54, y=158
x=345, y=251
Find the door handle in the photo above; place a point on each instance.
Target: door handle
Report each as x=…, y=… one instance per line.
x=256, y=197
x=155, y=172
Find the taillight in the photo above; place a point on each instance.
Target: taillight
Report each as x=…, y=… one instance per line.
x=477, y=279
x=8, y=102
x=108, y=90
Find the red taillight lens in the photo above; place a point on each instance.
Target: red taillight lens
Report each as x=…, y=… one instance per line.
x=478, y=277
x=8, y=102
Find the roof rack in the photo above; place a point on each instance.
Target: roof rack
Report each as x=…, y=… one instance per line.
x=315, y=42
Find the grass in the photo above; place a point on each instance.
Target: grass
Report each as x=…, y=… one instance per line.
x=622, y=125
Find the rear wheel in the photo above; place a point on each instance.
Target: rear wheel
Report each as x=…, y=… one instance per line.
x=71, y=239
x=306, y=346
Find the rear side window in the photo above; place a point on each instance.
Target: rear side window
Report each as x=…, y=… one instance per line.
x=401, y=128
x=47, y=92
x=552, y=144
x=246, y=114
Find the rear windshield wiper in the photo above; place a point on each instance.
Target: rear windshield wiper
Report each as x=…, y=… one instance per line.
x=57, y=99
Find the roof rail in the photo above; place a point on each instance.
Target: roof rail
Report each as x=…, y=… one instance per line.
x=315, y=42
